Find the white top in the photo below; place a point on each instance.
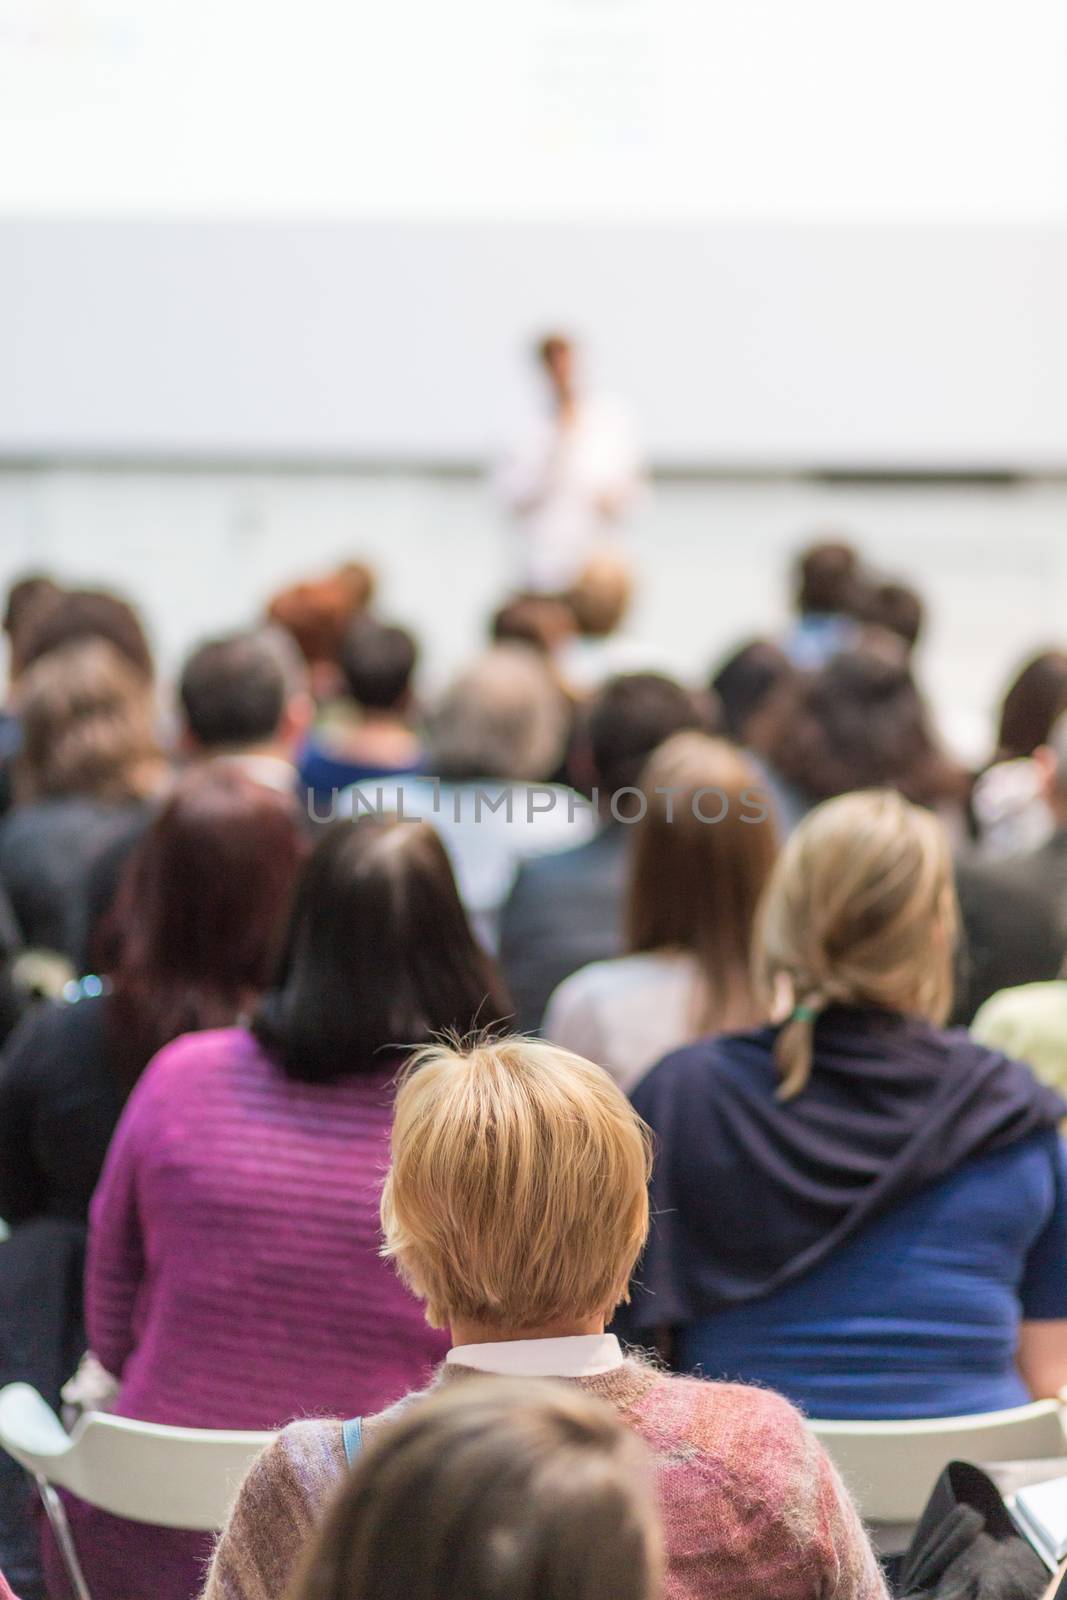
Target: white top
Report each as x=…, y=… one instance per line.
x=627, y=1013
x=555, y=485
x=583, y=1355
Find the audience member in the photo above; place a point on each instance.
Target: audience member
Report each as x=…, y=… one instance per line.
x=565, y=908
x=317, y=613
x=898, y=609
x=196, y=933
x=27, y=599
x=1009, y=800
x=526, y=1490
x=515, y=1207
x=599, y=602
x=75, y=616
x=745, y=681
x=1035, y=700
x=245, y=702
x=234, y=1278
x=1029, y=1024
x=494, y=739
x=87, y=765
x=701, y=854
x=197, y=925
x=829, y=594
x=855, y=1206
x=859, y=722
x=539, y=620
x=370, y=734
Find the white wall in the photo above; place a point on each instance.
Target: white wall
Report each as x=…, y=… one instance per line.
x=757, y=344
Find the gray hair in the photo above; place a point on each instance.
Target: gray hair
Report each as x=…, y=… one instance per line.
x=503, y=717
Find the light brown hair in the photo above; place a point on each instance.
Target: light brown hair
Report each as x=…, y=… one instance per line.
x=495, y=1488
x=695, y=884
x=860, y=911
x=517, y=1195
x=87, y=727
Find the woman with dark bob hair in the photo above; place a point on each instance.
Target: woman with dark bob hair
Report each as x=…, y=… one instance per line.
x=526, y=1489
x=234, y=1275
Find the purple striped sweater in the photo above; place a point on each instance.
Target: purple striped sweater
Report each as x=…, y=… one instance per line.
x=233, y=1277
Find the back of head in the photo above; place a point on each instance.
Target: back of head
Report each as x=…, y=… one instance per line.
x=83, y=614
x=538, y=620
x=27, y=600
x=701, y=857
x=200, y=911
x=318, y=611
x=745, y=681
x=526, y=1490
x=234, y=691
x=517, y=1196
x=1036, y=698
x=378, y=662
x=601, y=595
x=857, y=723
x=380, y=956
x=860, y=911
x=628, y=718
x=826, y=579
x=87, y=726
x=504, y=717
x=897, y=608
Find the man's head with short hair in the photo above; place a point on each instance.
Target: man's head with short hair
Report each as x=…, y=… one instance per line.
x=628, y=718
x=827, y=579
x=237, y=692
x=517, y=1197
x=378, y=661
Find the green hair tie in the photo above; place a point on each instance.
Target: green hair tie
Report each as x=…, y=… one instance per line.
x=804, y=1014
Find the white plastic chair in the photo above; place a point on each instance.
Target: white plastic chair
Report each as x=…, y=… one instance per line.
x=172, y=1477
x=891, y=1467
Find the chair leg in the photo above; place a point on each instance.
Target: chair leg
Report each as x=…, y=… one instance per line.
x=57, y=1517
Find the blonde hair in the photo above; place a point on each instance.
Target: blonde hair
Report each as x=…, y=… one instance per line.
x=87, y=726
x=696, y=882
x=518, y=1191
x=860, y=910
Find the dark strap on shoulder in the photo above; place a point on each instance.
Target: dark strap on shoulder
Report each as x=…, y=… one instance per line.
x=352, y=1435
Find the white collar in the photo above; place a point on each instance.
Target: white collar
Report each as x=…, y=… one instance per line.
x=583, y=1355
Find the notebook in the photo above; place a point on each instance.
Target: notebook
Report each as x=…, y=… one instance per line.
x=1040, y=1514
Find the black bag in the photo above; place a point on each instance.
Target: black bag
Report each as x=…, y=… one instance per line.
x=966, y=1546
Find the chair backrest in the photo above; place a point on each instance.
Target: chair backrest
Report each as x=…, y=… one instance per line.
x=173, y=1477
x=891, y=1467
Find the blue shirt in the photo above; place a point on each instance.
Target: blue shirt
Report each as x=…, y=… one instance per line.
x=917, y=1315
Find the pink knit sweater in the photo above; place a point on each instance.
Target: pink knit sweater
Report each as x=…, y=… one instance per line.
x=752, y=1507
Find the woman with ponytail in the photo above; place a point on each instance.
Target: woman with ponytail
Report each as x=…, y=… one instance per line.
x=854, y=1204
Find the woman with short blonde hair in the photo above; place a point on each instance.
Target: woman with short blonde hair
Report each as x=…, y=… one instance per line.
x=526, y=1490
x=522, y=1141
x=515, y=1207
x=910, y=1188
x=702, y=850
